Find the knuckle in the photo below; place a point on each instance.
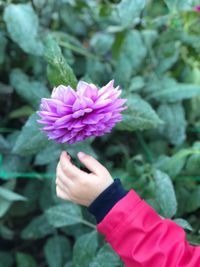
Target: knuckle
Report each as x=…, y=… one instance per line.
x=64, y=168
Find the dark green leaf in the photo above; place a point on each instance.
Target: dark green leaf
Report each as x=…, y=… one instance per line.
x=37, y=228
x=174, y=127
x=183, y=223
x=25, y=260
x=3, y=43
x=132, y=53
x=24, y=111
x=85, y=249
x=193, y=202
x=6, y=259
x=178, y=5
x=31, y=91
x=57, y=251
x=139, y=115
x=106, y=257
x=64, y=214
x=5, y=203
x=5, y=89
x=175, y=164
x=165, y=194
x=48, y=154
x=16, y=16
x=31, y=139
x=167, y=90
x=129, y=11
x=10, y=196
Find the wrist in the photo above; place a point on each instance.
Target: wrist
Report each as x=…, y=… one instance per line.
x=107, y=199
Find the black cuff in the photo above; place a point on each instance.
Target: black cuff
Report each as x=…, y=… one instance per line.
x=107, y=199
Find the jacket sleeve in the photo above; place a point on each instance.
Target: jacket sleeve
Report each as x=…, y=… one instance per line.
x=143, y=239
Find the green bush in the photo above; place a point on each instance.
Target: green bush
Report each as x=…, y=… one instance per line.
x=152, y=51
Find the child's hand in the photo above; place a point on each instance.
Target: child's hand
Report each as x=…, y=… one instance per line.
x=78, y=186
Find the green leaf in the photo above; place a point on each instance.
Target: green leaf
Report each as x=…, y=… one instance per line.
x=183, y=223
x=37, y=228
x=57, y=251
x=5, y=89
x=64, y=214
x=58, y=72
x=24, y=111
x=6, y=232
x=31, y=139
x=132, y=54
x=5, y=203
x=48, y=154
x=138, y=116
x=168, y=90
x=193, y=162
x=98, y=72
x=85, y=249
x=3, y=44
x=6, y=259
x=174, y=127
x=25, y=260
x=165, y=194
x=174, y=165
x=106, y=257
x=11, y=196
x=136, y=84
x=167, y=56
x=193, y=239
x=193, y=202
x=178, y=5
x=102, y=42
x=72, y=20
x=22, y=24
x=84, y=145
x=4, y=207
x=32, y=91
x=129, y=11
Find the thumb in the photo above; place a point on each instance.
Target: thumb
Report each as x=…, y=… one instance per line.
x=92, y=164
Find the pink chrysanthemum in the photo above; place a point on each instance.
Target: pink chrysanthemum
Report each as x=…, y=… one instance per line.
x=197, y=8
x=72, y=116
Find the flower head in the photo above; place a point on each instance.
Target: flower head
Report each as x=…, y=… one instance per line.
x=72, y=116
x=197, y=8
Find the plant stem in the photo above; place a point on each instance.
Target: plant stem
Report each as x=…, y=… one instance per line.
x=145, y=147
x=79, y=50
x=93, y=226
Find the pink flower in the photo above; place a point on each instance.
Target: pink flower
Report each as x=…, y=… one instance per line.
x=197, y=8
x=72, y=116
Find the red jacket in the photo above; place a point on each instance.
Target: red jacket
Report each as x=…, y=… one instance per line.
x=143, y=239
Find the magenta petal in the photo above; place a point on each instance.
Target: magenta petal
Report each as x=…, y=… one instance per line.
x=62, y=120
x=107, y=87
x=101, y=103
x=78, y=114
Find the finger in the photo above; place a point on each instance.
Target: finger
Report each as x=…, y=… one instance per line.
x=60, y=183
x=68, y=168
x=60, y=175
x=61, y=194
x=91, y=164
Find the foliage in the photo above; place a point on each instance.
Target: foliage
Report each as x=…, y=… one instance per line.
x=152, y=52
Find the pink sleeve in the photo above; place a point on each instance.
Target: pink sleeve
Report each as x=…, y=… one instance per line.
x=142, y=239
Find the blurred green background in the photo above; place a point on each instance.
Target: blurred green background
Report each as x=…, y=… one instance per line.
x=152, y=50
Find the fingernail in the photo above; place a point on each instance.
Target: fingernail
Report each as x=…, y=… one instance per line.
x=81, y=155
